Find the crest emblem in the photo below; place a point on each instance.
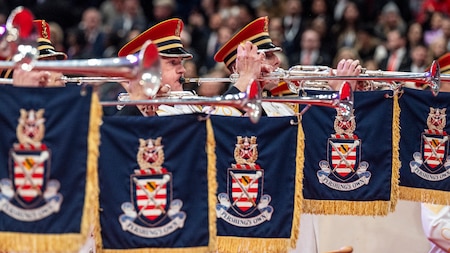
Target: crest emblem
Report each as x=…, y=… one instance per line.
x=245, y=188
x=344, y=152
x=266, y=24
x=178, y=29
x=152, y=213
x=30, y=157
x=434, y=139
x=433, y=163
x=30, y=186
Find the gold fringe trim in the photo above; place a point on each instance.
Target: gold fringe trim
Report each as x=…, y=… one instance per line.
x=91, y=219
x=425, y=195
x=21, y=242
x=298, y=195
x=212, y=201
x=396, y=163
x=158, y=250
x=212, y=184
x=345, y=207
x=244, y=245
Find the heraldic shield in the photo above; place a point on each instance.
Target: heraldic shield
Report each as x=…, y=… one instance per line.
x=152, y=196
x=434, y=150
x=30, y=172
x=245, y=189
x=29, y=159
x=344, y=154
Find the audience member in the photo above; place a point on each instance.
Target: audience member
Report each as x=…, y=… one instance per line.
x=419, y=59
x=435, y=29
x=366, y=42
x=311, y=52
x=397, y=58
x=414, y=35
x=92, y=28
x=389, y=19
x=131, y=18
x=162, y=10
x=110, y=9
x=293, y=24
x=345, y=30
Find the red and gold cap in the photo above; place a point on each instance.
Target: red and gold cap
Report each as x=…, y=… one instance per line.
x=256, y=32
x=165, y=35
x=45, y=46
x=444, y=63
x=444, y=68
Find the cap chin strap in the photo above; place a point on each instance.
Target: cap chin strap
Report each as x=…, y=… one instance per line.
x=275, y=49
x=188, y=56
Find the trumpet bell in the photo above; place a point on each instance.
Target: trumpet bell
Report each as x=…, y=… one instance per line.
x=149, y=71
x=253, y=103
x=19, y=31
x=434, y=78
x=345, y=104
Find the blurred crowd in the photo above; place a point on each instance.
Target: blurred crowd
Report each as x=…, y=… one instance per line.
x=400, y=35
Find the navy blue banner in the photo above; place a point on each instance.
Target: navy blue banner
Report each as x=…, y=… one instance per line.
x=256, y=175
x=153, y=174
x=43, y=174
x=424, y=146
x=349, y=162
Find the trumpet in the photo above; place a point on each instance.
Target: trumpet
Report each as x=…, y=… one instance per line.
x=144, y=67
x=308, y=73
x=18, y=32
x=80, y=79
x=250, y=100
x=299, y=77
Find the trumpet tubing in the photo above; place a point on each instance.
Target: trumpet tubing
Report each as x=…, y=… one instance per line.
x=249, y=101
x=316, y=77
x=144, y=67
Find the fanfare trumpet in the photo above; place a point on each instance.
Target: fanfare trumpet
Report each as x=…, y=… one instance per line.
x=307, y=77
x=18, y=36
x=250, y=101
x=308, y=73
x=144, y=67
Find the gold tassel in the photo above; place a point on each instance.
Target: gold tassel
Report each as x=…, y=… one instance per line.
x=425, y=195
x=158, y=250
x=344, y=207
x=396, y=163
x=231, y=244
x=91, y=219
x=71, y=242
x=298, y=195
x=212, y=184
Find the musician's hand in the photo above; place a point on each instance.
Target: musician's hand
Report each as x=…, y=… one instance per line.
x=346, y=67
x=248, y=64
x=164, y=90
x=30, y=78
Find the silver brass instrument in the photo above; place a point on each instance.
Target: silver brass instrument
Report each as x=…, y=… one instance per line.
x=310, y=73
x=79, y=79
x=18, y=37
x=311, y=76
x=144, y=67
x=250, y=101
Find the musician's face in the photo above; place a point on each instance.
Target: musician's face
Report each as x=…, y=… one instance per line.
x=172, y=69
x=272, y=59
